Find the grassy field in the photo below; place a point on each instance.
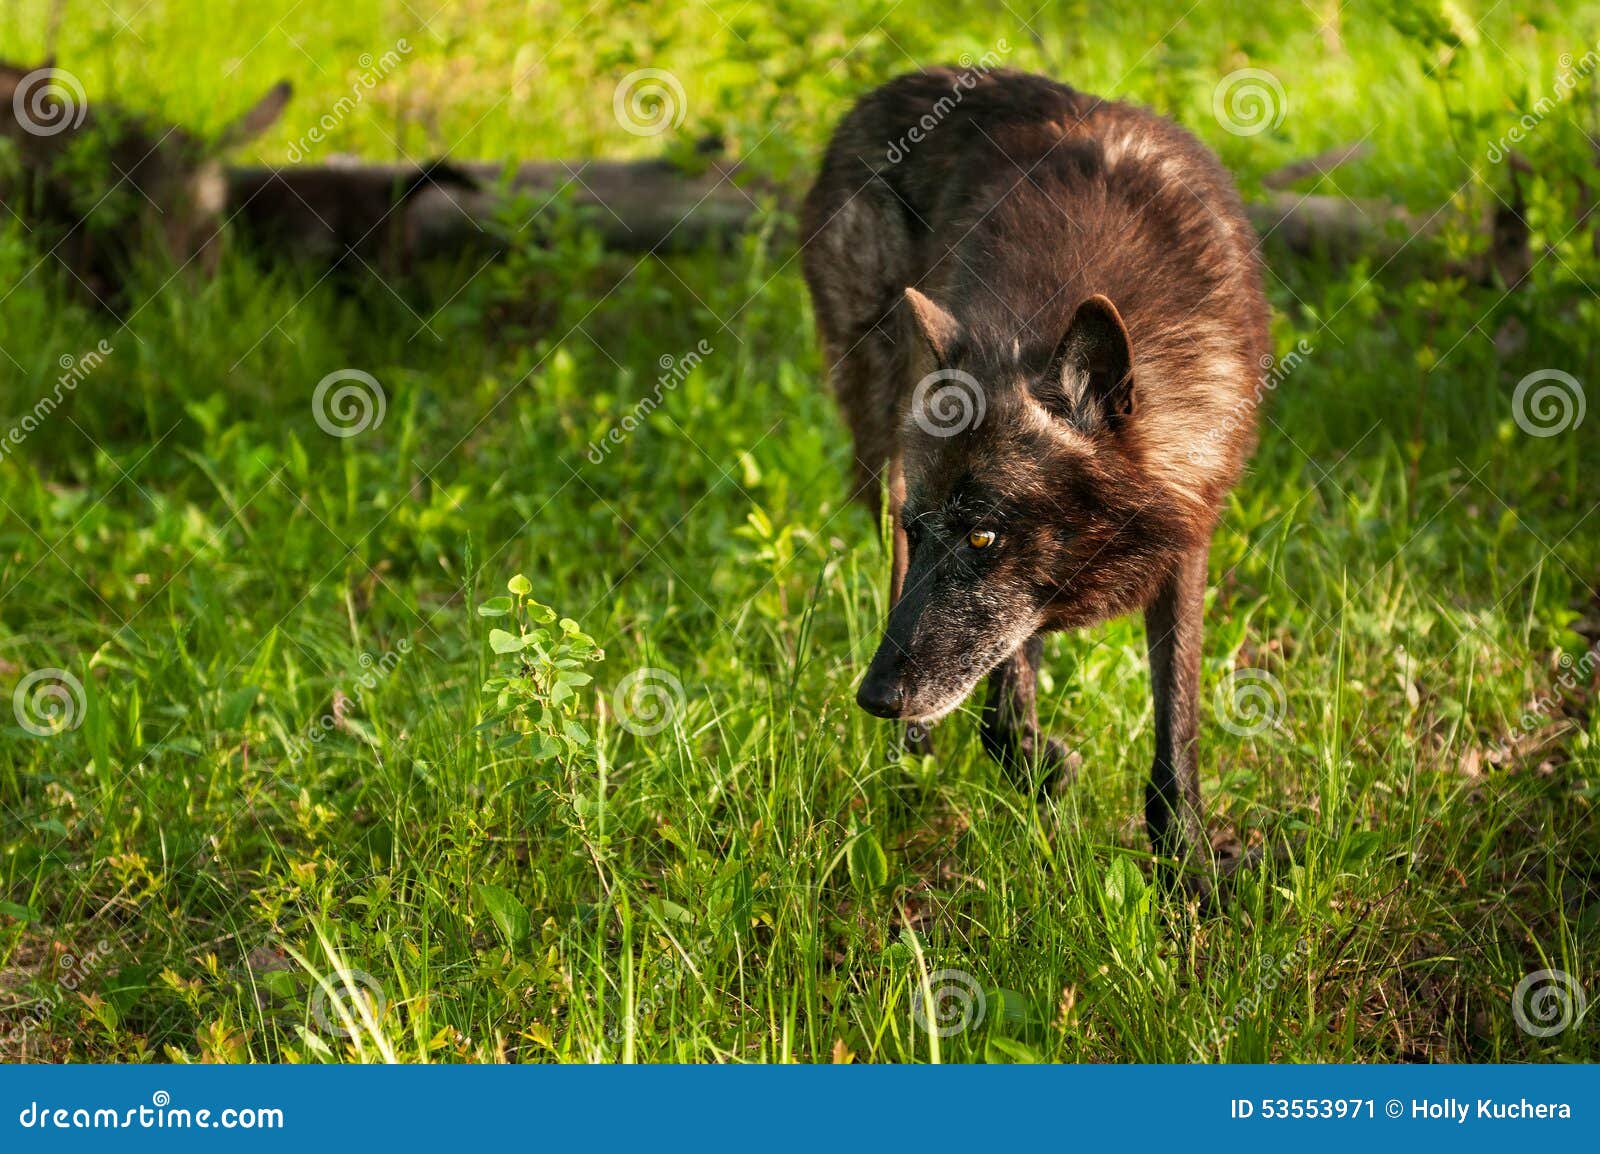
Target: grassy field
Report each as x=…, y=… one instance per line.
x=277, y=775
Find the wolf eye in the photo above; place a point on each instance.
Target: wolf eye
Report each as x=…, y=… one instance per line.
x=980, y=538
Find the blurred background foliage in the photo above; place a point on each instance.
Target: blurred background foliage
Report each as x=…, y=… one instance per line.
x=759, y=880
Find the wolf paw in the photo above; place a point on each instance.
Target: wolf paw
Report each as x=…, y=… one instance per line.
x=1042, y=770
x=1058, y=768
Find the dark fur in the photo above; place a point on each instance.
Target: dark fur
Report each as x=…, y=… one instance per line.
x=1089, y=265
x=341, y=217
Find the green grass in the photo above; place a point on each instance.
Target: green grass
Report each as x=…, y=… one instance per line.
x=759, y=880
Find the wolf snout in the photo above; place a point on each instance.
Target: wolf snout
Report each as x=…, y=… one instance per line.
x=882, y=693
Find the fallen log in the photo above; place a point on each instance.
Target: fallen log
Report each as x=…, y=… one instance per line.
x=1341, y=230
x=1319, y=165
x=391, y=215
x=1336, y=227
x=420, y=212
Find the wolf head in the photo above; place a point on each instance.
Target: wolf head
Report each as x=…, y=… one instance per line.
x=1028, y=506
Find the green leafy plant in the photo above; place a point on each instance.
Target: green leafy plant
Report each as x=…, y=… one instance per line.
x=536, y=689
x=183, y=536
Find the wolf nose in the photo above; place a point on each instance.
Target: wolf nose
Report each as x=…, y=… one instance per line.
x=880, y=696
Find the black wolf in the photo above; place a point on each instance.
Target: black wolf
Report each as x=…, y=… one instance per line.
x=1043, y=317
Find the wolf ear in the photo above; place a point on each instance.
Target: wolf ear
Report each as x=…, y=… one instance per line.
x=262, y=116
x=938, y=328
x=1094, y=361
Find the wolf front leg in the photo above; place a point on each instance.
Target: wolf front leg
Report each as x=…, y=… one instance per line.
x=1172, y=809
x=1010, y=729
